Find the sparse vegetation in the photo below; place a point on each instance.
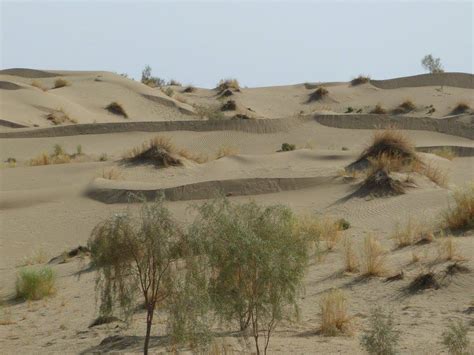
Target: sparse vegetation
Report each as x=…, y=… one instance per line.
x=173, y=82
x=455, y=338
x=188, y=89
x=225, y=151
x=318, y=94
x=168, y=91
x=59, y=116
x=433, y=65
x=410, y=233
x=228, y=84
x=343, y=224
x=379, y=110
x=117, y=109
x=60, y=83
x=59, y=156
x=445, y=152
x=209, y=112
x=405, y=107
x=447, y=249
x=103, y=157
x=230, y=105
x=460, y=108
x=373, y=257
x=79, y=150
x=351, y=262
x=382, y=337
x=349, y=110
x=150, y=80
x=461, y=215
x=35, y=284
x=361, y=79
x=111, y=174
x=334, y=315
x=39, y=85
x=286, y=147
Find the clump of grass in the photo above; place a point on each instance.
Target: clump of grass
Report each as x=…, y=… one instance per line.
x=39, y=85
x=447, y=249
x=334, y=314
x=38, y=257
x=79, y=150
x=391, y=143
x=423, y=281
x=111, y=174
x=343, y=224
x=35, y=284
x=373, y=257
x=60, y=83
x=230, y=105
x=445, y=152
x=189, y=89
x=318, y=94
x=351, y=262
x=329, y=231
x=405, y=107
x=196, y=157
x=173, y=82
x=461, y=107
x=382, y=337
x=158, y=151
x=59, y=117
x=59, y=156
x=117, y=109
x=361, y=79
x=411, y=233
x=349, y=110
x=168, y=91
x=103, y=157
x=455, y=338
x=461, y=215
x=228, y=84
x=209, y=112
x=286, y=147
x=432, y=172
x=225, y=151
x=379, y=110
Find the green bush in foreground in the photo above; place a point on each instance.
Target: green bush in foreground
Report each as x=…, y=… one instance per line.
x=381, y=337
x=35, y=284
x=286, y=147
x=455, y=338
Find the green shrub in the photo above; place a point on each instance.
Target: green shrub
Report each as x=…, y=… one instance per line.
x=343, y=224
x=381, y=338
x=349, y=110
x=286, y=147
x=35, y=284
x=455, y=338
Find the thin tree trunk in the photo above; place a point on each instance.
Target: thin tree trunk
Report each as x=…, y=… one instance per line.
x=149, y=320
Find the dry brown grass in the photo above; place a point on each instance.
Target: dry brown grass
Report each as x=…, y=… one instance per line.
x=38, y=257
x=379, y=110
x=461, y=107
x=361, y=79
x=60, y=83
x=228, y=84
x=412, y=232
x=373, y=257
x=391, y=144
x=226, y=150
x=448, y=250
x=116, y=109
x=445, y=152
x=329, y=230
x=334, y=313
x=45, y=159
x=461, y=215
x=351, y=261
x=434, y=173
x=38, y=84
x=405, y=107
x=196, y=157
x=318, y=94
x=59, y=117
x=111, y=174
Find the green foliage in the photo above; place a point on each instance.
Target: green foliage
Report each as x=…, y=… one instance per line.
x=144, y=257
x=257, y=261
x=381, y=337
x=349, y=110
x=79, y=149
x=286, y=147
x=58, y=150
x=35, y=284
x=455, y=338
x=343, y=224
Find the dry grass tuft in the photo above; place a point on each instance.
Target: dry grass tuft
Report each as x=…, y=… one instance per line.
x=412, y=232
x=111, y=174
x=38, y=84
x=373, y=257
x=318, y=94
x=230, y=105
x=405, y=107
x=60, y=83
x=225, y=151
x=188, y=89
x=59, y=156
x=461, y=215
x=329, y=230
x=228, y=84
x=445, y=152
x=59, y=117
x=361, y=79
x=434, y=173
x=379, y=110
x=461, y=107
x=38, y=257
x=448, y=250
x=334, y=315
x=423, y=281
x=116, y=109
x=351, y=261
x=196, y=157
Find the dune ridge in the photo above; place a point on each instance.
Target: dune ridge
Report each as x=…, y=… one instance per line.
x=457, y=80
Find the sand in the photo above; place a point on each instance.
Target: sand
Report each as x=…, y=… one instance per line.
x=46, y=210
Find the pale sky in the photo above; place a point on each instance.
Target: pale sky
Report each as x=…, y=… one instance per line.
x=259, y=43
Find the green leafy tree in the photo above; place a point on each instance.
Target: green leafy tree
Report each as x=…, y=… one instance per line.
x=145, y=258
x=256, y=259
x=433, y=65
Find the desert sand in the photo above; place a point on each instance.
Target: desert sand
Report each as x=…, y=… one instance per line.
x=47, y=210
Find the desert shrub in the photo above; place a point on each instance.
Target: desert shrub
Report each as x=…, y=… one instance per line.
x=228, y=84
x=334, y=316
x=445, y=152
x=343, y=224
x=158, y=151
x=382, y=337
x=461, y=214
x=461, y=107
x=229, y=106
x=38, y=257
x=59, y=116
x=379, y=110
x=410, y=233
x=433, y=65
x=286, y=147
x=42, y=159
x=168, y=91
x=111, y=174
x=58, y=156
x=209, y=112
x=39, y=85
x=150, y=80
x=35, y=284
x=173, y=82
x=373, y=257
x=361, y=79
x=58, y=150
x=318, y=94
x=349, y=110
x=405, y=107
x=189, y=89
x=455, y=338
x=257, y=260
x=60, y=83
x=351, y=262
x=225, y=151
x=117, y=109
x=103, y=157
x=144, y=258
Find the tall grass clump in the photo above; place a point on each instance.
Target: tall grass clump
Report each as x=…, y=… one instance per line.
x=145, y=258
x=405, y=107
x=226, y=150
x=334, y=315
x=35, y=284
x=361, y=79
x=460, y=215
x=39, y=85
x=445, y=152
x=461, y=107
x=382, y=337
x=228, y=84
x=257, y=259
x=455, y=338
x=379, y=110
x=60, y=83
x=410, y=233
x=318, y=94
x=351, y=261
x=58, y=156
x=373, y=257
